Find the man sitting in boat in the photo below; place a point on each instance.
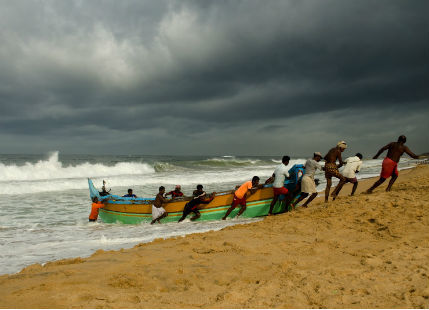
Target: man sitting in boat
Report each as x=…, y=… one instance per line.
x=130, y=194
x=104, y=192
x=158, y=212
x=240, y=195
x=199, y=197
x=176, y=193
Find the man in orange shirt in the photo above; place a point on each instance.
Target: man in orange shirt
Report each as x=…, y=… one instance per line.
x=240, y=195
x=95, y=208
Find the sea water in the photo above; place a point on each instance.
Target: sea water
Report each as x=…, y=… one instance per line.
x=44, y=199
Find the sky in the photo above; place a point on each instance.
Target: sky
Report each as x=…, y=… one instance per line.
x=212, y=77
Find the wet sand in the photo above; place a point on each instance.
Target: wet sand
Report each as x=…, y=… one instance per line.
x=366, y=251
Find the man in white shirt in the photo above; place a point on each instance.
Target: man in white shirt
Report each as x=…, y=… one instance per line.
x=308, y=186
x=353, y=165
x=280, y=174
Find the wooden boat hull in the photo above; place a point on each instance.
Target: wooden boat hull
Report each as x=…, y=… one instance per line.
x=136, y=210
x=257, y=205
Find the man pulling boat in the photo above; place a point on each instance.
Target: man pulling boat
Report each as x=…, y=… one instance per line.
x=158, y=212
x=240, y=195
x=199, y=197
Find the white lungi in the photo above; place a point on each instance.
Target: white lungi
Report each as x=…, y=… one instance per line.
x=307, y=185
x=157, y=212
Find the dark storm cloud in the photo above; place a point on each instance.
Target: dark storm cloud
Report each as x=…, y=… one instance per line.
x=209, y=69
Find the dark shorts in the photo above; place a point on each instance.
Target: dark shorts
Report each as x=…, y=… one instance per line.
x=352, y=180
x=239, y=201
x=187, y=209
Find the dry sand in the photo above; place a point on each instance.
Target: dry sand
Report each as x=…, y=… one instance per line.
x=357, y=252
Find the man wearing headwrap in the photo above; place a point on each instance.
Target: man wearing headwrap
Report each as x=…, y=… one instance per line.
x=390, y=163
x=331, y=168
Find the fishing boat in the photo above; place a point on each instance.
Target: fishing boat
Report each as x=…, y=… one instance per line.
x=127, y=210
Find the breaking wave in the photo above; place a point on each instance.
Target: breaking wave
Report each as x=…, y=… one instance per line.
x=52, y=168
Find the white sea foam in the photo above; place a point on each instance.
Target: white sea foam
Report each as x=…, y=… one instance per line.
x=57, y=178
x=52, y=222
x=52, y=168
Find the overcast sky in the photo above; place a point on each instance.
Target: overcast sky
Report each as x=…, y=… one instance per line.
x=212, y=77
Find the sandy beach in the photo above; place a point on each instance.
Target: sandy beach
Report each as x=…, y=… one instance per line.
x=366, y=251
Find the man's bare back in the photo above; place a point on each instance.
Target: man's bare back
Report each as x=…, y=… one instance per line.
x=333, y=155
x=395, y=150
x=394, y=153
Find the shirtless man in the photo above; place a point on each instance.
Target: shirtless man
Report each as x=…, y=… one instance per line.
x=331, y=168
x=158, y=212
x=390, y=163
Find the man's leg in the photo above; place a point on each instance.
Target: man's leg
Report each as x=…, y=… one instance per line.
x=196, y=216
x=392, y=180
x=186, y=211
x=338, y=188
x=243, y=208
x=229, y=211
x=288, y=199
x=355, y=185
x=376, y=184
x=314, y=195
x=301, y=198
x=162, y=216
x=328, y=188
x=273, y=202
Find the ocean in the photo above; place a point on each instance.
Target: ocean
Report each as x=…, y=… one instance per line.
x=44, y=199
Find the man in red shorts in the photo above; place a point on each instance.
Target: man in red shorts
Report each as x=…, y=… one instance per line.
x=390, y=163
x=281, y=173
x=240, y=195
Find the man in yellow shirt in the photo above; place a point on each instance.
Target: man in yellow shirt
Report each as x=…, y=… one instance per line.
x=240, y=195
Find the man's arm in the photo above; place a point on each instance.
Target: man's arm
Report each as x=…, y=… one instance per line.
x=270, y=180
x=386, y=147
x=408, y=151
x=358, y=167
x=340, y=160
x=208, y=200
x=254, y=189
